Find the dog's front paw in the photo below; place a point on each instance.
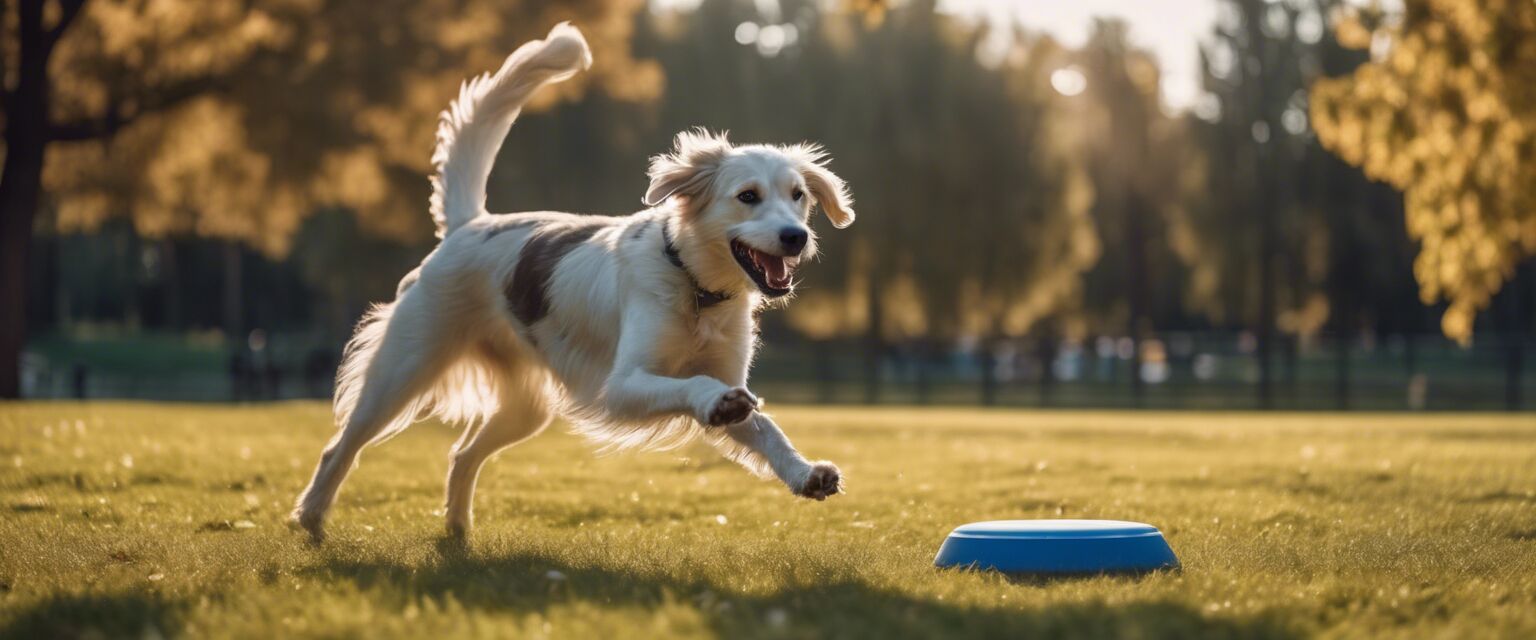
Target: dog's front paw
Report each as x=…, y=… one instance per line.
x=310, y=521
x=825, y=480
x=731, y=407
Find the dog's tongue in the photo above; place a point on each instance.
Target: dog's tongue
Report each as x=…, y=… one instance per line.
x=774, y=270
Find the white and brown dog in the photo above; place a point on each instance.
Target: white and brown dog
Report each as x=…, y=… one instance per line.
x=639, y=330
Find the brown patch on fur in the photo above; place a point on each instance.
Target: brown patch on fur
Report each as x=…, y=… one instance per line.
x=528, y=292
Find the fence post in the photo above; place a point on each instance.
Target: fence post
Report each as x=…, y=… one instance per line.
x=1046, y=350
x=925, y=359
x=1514, y=363
x=987, y=360
x=1341, y=368
x=825, y=377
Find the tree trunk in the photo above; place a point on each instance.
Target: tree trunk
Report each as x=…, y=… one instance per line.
x=924, y=359
x=826, y=377
x=1266, y=320
x=986, y=359
x=1267, y=208
x=21, y=183
x=45, y=303
x=1341, y=369
x=1137, y=278
x=1046, y=348
x=1514, y=342
x=170, y=285
x=874, y=345
x=1514, y=362
x=234, y=312
x=1346, y=286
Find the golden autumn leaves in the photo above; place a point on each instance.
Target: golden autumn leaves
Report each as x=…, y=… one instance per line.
x=1446, y=112
x=300, y=106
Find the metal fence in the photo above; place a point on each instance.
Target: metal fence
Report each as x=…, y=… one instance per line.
x=1172, y=371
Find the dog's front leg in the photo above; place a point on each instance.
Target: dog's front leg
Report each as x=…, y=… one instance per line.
x=815, y=480
x=633, y=390
x=638, y=393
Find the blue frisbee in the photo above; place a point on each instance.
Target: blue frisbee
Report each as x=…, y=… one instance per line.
x=1057, y=547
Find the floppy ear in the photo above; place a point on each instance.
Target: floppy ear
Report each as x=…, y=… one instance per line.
x=829, y=190
x=688, y=169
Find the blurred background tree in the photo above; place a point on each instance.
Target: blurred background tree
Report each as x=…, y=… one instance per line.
x=901, y=96
x=234, y=120
x=1446, y=111
x=238, y=180
x=1283, y=238
x=1131, y=152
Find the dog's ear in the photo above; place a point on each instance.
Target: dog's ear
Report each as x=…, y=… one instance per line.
x=829, y=190
x=689, y=168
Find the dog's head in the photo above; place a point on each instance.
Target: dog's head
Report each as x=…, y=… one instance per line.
x=745, y=210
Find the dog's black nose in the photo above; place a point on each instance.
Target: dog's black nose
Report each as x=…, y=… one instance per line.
x=793, y=239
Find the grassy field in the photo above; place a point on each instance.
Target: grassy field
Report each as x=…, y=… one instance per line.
x=162, y=520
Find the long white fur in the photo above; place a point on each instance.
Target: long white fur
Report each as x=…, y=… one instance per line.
x=623, y=352
x=471, y=130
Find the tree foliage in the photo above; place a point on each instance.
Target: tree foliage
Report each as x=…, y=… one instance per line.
x=974, y=224
x=290, y=106
x=995, y=204
x=1446, y=111
x=1130, y=152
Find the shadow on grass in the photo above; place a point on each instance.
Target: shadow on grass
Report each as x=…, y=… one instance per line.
x=96, y=616
x=525, y=584
x=533, y=584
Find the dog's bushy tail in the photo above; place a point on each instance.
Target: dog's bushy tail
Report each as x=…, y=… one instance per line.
x=471, y=130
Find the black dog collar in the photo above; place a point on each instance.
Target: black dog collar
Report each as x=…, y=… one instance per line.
x=702, y=298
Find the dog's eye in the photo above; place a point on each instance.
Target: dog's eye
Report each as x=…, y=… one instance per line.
x=797, y=195
x=749, y=196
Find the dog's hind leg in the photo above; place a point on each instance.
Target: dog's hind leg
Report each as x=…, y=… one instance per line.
x=401, y=352
x=525, y=410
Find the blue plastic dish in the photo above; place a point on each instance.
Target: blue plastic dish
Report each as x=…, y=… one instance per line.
x=1057, y=547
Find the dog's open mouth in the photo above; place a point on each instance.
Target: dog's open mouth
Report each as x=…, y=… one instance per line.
x=774, y=275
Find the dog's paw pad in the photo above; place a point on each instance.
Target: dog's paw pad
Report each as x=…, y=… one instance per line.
x=825, y=481
x=732, y=407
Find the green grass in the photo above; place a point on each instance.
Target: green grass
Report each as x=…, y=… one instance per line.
x=144, y=519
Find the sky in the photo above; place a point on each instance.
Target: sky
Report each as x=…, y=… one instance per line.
x=1171, y=29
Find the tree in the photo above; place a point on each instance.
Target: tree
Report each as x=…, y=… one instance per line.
x=1446, y=112
x=970, y=229
x=1280, y=236
x=1253, y=68
x=1130, y=150
x=236, y=119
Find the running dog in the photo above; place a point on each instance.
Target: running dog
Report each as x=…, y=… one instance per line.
x=638, y=330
